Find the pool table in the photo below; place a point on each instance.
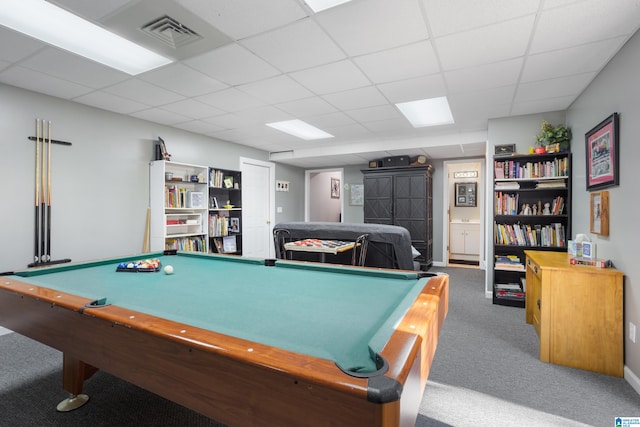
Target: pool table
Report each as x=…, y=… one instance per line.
x=241, y=340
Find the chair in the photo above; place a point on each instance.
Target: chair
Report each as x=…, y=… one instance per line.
x=360, y=250
x=279, y=241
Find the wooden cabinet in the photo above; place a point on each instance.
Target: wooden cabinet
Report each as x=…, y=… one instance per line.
x=532, y=210
x=225, y=211
x=577, y=312
x=178, y=204
x=464, y=240
x=402, y=196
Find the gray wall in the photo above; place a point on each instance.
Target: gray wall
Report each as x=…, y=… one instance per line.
x=100, y=186
x=615, y=89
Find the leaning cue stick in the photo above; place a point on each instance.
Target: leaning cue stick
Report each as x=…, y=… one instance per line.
x=42, y=198
x=49, y=197
x=36, y=230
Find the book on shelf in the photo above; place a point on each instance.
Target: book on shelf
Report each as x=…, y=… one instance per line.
x=598, y=263
x=508, y=262
x=507, y=185
x=552, y=183
x=526, y=169
x=506, y=204
x=552, y=235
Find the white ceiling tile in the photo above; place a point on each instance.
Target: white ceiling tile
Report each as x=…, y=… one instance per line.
x=43, y=83
x=565, y=62
x=485, y=76
x=4, y=64
x=331, y=120
x=499, y=42
x=565, y=26
x=452, y=16
x=198, y=126
x=183, y=80
x=193, y=109
x=370, y=114
x=14, y=46
x=233, y=65
x=298, y=46
x=396, y=126
x=147, y=93
x=263, y=115
x=400, y=63
x=362, y=27
x=352, y=131
x=362, y=97
x=231, y=100
x=90, y=10
x=110, y=102
x=307, y=107
x=159, y=115
x=243, y=18
x=564, y=86
x=330, y=78
x=73, y=68
x=413, y=89
x=276, y=89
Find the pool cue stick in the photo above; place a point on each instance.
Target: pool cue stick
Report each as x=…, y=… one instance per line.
x=49, y=196
x=43, y=216
x=145, y=242
x=36, y=229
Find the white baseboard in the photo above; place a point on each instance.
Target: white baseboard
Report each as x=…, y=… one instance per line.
x=632, y=379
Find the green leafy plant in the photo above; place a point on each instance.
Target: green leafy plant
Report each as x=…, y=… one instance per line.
x=550, y=134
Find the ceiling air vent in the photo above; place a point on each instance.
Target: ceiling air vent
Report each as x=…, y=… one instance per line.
x=171, y=32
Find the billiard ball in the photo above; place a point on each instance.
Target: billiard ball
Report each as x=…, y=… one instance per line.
x=168, y=269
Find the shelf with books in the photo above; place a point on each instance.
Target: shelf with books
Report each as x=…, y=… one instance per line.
x=178, y=206
x=532, y=210
x=225, y=211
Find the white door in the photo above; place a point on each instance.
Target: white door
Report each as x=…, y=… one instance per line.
x=258, y=207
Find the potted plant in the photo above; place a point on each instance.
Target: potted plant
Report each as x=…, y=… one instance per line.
x=552, y=138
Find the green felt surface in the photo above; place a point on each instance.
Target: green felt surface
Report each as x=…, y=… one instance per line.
x=334, y=313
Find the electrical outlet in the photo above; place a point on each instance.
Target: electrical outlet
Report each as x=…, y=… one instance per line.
x=632, y=332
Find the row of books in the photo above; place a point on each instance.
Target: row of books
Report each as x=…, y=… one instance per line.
x=218, y=225
x=176, y=197
x=510, y=169
x=217, y=179
x=552, y=235
x=191, y=244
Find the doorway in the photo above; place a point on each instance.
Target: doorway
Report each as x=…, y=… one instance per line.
x=463, y=230
x=324, y=199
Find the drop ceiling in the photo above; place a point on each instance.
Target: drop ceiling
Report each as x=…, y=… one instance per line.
x=341, y=70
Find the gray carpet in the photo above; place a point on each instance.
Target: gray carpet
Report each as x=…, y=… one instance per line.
x=485, y=373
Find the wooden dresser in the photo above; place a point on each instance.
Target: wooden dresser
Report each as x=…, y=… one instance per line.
x=577, y=312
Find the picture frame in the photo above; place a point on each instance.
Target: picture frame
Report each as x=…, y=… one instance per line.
x=504, y=150
x=335, y=188
x=466, y=194
x=599, y=216
x=234, y=225
x=163, y=149
x=602, y=145
x=357, y=194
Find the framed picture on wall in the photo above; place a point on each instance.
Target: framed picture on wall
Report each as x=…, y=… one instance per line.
x=466, y=194
x=335, y=188
x=603, y=158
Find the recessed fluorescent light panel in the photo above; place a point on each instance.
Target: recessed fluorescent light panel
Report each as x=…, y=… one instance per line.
x=427, y=112
x=319, y=5
x=55, y=26
x=300, y=129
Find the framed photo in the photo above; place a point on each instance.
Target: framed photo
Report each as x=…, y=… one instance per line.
x=603, y=157
x=357, y=194
x=600, y=213
x=335, y=188
x=234, y=225
x=163, y=149
x=505, y=150
x=466, y=194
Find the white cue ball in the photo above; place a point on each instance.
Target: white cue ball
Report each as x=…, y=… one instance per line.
x=168, y=270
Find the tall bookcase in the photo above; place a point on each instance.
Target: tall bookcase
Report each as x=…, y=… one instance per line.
x=178, y=203
x=532, y=210
x=225, y=211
